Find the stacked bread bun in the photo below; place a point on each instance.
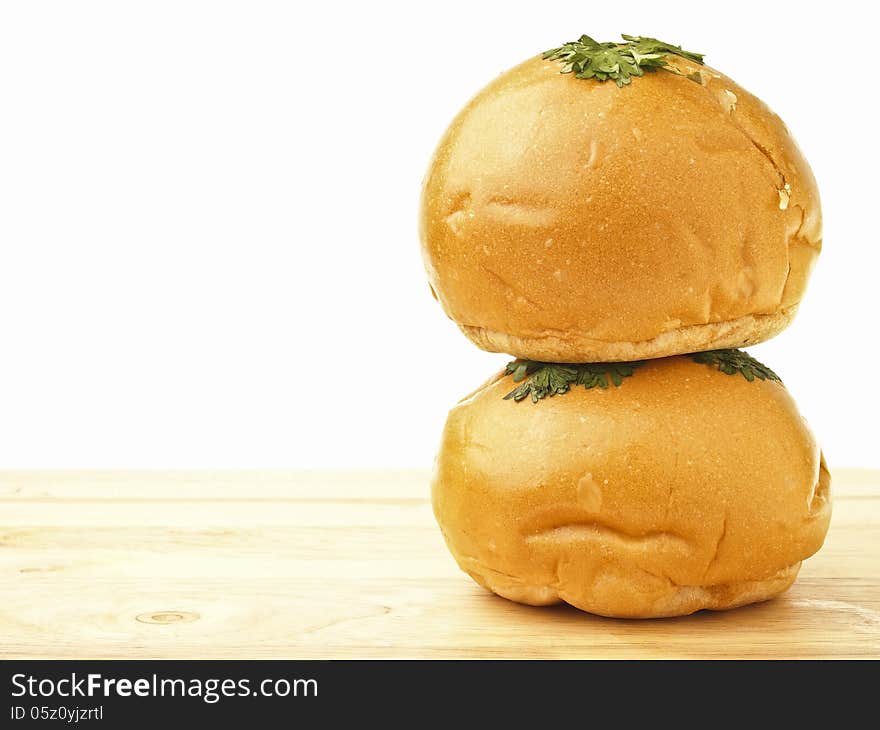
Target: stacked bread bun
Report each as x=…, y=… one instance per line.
x=618, y=217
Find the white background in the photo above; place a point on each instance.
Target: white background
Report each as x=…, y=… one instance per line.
x=208, y=249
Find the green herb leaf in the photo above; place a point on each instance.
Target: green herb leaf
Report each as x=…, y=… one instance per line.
x=731, y=362
x=542, y=379
x=588, y=59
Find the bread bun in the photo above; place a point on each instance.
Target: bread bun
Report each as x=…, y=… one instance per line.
x=682, y=489
x=568, y=220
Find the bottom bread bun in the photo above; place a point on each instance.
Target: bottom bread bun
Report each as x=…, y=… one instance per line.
x=651, y=490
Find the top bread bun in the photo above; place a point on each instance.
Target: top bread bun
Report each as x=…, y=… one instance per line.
x=569, y=220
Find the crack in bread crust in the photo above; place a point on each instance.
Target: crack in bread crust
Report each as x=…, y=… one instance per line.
x=594, y=528
x=579, y=347
x=673, y=599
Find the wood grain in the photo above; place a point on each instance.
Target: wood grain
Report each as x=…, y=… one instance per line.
x=333, y=565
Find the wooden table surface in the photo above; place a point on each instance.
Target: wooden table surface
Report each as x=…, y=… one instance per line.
x=334, y=564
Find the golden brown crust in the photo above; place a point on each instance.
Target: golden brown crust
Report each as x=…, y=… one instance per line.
x=682, y=489
x=609, y=216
